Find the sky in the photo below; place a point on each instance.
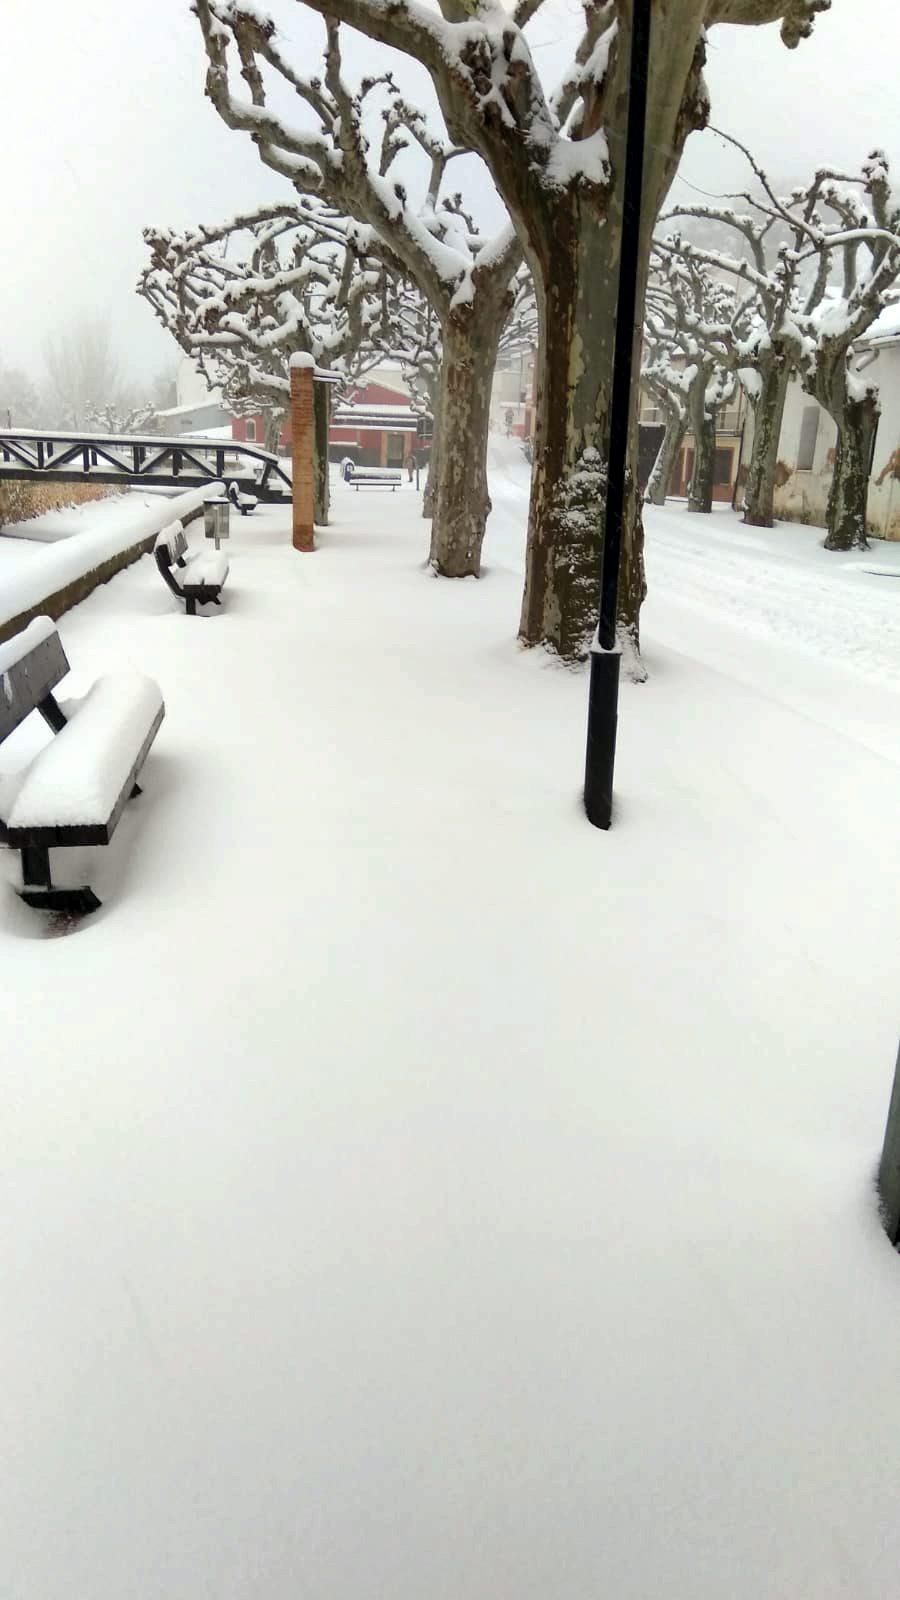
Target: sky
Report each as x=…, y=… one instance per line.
x=106, y=129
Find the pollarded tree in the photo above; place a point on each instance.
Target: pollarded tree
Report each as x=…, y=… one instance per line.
x=836, y=224
x=870, y=256
x=767, y=353
x=336, y=152
x=663, y=377
x=240, y=298
x=557, y=162
x=697, y=324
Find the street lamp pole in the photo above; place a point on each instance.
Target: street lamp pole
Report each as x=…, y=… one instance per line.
x=603, y=700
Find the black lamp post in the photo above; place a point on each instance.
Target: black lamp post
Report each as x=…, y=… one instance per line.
x=603, y=701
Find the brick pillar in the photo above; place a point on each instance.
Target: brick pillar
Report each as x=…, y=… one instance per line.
x=302, y=450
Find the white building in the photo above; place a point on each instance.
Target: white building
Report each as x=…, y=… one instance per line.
x=808, y=437
x=198, y=407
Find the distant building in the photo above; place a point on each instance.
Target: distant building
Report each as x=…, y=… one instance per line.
x=512, y=394
x=376, y=426
x=198, y=407
x=808, y=439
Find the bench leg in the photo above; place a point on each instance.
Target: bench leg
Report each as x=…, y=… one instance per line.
x=38, y=890
x=36, y=866
x=190, y=607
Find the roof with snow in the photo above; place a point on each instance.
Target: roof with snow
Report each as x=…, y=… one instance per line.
x=886, y=329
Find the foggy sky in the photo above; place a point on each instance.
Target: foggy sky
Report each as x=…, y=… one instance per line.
x=105, y=129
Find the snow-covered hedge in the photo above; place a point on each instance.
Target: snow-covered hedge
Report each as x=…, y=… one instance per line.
x=68, y=571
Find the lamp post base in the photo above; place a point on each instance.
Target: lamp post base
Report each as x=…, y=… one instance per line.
x=603, y=717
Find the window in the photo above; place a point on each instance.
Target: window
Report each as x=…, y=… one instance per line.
x=809, y=432
x=251, y=430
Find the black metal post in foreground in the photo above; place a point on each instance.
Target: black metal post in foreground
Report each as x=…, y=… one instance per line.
x=603, y=703
x=889, y=1167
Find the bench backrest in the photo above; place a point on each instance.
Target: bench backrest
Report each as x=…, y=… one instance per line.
x=31, y=665
x=171, y=543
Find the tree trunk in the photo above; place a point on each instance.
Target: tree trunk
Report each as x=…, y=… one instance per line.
x=573, y=248
x=433, y=470
x=321, y=490
x=661, y=476
x=462, y=501
x=849, y=496
x=273, y=418
x=703, y=427
x=577, y=308
x=768, y=412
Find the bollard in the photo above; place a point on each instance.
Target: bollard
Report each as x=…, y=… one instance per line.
x=302, y=368
x=889, y=1170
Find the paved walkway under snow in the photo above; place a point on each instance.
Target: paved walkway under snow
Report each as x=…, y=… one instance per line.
x=409, y=1191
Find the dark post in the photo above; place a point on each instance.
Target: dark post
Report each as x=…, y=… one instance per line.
x=603, y=700
x=889, y=1169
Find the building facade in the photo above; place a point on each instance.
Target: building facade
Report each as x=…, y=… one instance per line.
x=808, y=438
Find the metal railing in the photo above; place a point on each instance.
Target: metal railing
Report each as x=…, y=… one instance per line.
x=178, y=462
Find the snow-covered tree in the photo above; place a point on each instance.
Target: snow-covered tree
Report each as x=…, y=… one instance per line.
x=694, y=325
x=663, y=378
x=240, y=298
x=120, y=418
x=343, y=145
x=556, y=157
x=823, y=262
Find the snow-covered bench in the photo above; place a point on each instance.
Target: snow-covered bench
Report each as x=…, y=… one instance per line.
x=74, y=790
x=245, y=503
x=196, y=579
x=375, y=477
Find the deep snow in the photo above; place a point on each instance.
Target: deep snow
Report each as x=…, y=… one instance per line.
x=96, y=532
x=408, y=1189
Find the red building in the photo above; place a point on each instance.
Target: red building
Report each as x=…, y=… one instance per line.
x=375, y=426
x=252, y=430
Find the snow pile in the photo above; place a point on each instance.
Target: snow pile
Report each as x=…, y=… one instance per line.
x=411, y=1191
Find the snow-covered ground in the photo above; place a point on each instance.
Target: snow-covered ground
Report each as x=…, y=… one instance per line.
x=78, y=539
x=51, y=526
x=409, y=1190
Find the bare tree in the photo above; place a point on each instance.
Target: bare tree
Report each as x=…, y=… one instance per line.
x=83, y=372
x=695, y=325
x=556, y=159
x=837, y=224
x=241, y=297
x=429, y=236
x=20, y=401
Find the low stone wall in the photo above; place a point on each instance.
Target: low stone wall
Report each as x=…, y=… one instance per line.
x=60, y=599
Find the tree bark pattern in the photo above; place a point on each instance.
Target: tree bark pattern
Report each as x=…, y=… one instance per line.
x=768, y=414
x=703, y=427
x=663, y=466
x=461, y=499
x=849, y=494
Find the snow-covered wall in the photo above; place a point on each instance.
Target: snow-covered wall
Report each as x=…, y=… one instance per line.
x=801, y=494
x=68, y=571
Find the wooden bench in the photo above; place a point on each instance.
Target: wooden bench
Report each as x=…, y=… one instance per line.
x=74, y=790
x=197, y=579
x=246, y=503
x=375, y=477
